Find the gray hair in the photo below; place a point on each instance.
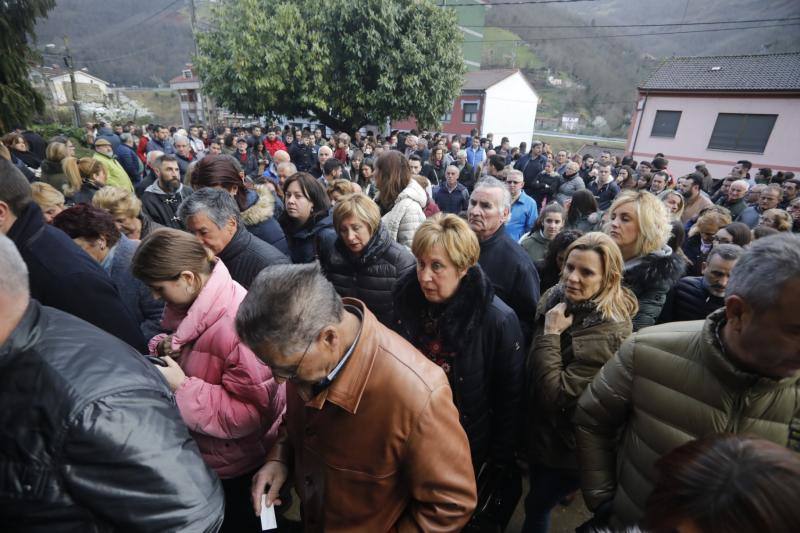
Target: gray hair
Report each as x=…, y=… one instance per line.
x=178, y=137
x=461, y=153
x=453, y=166
x=217, y=204
x=13, y=270
x=511, y=171
x=291, y=166
x=490, y=182
x=125, y=137
x=728, y=252
x=153, y=156
x=287, y=306
x=763, y=270
x=741, y=182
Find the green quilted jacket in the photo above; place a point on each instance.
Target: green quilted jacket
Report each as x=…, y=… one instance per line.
x=667, y=385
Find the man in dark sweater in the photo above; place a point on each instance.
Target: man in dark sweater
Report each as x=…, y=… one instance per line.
x=504, y=261
x=696, y=297
x=163, y=197
x=213, y=217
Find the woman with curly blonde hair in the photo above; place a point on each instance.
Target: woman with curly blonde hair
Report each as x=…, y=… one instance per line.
x=640, y=225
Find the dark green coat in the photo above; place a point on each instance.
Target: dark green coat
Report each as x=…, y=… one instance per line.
x=666, y=386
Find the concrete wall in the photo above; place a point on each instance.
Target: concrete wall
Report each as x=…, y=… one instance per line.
x=699, y=114
x=510, y=110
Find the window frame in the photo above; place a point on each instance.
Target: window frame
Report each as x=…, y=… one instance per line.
x=662, y=134
x=742, y=126
x=464, y=104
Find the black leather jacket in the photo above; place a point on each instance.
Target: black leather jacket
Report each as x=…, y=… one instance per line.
x=90, y=437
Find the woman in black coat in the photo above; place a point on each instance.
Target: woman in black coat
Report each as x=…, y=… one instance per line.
x=448, y=310
x=364, y=262
x=640, y=225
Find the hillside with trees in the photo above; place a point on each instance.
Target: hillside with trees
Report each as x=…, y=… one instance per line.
x=147, y=42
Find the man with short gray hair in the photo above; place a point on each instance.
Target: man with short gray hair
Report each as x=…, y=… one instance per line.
x=91, y=437
x=505, y=262
x=370, y=433
x=738, y=371
x=212, y=216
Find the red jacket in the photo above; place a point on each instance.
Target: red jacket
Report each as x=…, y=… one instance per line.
x=141, y=150
x=274, y=146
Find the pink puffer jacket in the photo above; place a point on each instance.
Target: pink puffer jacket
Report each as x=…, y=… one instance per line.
x=229, y=400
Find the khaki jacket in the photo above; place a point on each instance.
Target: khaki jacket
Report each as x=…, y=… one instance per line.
x=382, y=448
x=560, y=367
x=666, y=386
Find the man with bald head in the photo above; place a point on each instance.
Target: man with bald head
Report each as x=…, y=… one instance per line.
x=323, y=155
x=280, y=157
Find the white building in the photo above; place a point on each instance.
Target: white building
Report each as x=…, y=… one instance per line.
x=501, y=102
x=56, y=82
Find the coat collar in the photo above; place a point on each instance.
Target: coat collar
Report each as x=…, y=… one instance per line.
x=726, y=370
x=347, y=389
x=24, y=334
x=239, y=241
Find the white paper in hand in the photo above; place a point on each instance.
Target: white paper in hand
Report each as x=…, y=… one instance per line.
x=267, y=515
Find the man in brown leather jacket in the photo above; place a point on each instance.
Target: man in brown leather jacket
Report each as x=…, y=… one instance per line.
x=370, y=432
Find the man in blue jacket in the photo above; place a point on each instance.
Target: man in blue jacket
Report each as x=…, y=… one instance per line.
x=126, y=155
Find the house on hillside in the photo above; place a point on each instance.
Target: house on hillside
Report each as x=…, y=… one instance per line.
x=720, y=110
x=492, y=101
x=194, y=105
x=55, y=84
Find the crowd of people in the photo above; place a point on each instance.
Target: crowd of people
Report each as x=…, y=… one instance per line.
x=403, y=326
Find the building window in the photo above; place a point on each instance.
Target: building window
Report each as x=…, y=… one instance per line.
x=469, y=112
x=665, y=124
x=741, y=133
x=448, y=116
x=187, y=74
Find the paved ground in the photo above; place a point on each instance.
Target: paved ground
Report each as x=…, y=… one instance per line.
x=563, y=519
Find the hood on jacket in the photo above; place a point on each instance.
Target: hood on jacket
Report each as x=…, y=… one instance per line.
x=206, y=309
x=415, y=193
x=260, y=206
x=658, y=268
x=461, y=316
x=156, y=189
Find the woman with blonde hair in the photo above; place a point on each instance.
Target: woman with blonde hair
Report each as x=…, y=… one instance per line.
x=580, y=324
x=229, y=400
x=674, y=202
x=340, y=188
x=53, y=170
x=86, y=176
x=777, y=219
x=364, y=262
x=448, y=310
x=126, y=209
x=640, y=225
x=48, y=199
x=402, y=200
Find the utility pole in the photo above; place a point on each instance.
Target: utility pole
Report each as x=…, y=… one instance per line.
x=71, y=66
x=194, y=24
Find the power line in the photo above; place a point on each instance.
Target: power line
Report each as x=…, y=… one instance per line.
x=637, y=34
x=582, y=27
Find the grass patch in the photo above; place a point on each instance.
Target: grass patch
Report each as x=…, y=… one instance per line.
x=500, y=54
x=164, y=106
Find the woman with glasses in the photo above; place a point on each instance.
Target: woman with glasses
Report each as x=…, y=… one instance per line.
x=737, y=233
x=777, y=219
x=229, y=400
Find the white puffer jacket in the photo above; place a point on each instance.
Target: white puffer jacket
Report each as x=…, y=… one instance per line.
x=407, y=213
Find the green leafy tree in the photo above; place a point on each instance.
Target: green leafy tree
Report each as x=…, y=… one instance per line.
x=18, y=99
x=348, y=63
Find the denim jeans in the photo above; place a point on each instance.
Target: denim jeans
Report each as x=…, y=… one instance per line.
x=548, y=487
